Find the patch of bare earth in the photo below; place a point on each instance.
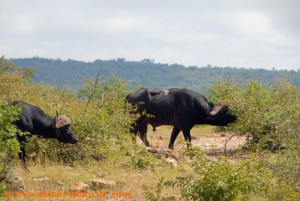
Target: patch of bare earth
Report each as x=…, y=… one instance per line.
x=213, y=144
x=218, y=144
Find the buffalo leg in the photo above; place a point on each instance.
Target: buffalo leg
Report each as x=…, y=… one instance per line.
x=187, y=136
x=174, y=135
x=143, y=134
x=22, y=153
x=22, y=156
x=134, y=130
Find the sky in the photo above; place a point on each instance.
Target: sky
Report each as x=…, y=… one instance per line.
x=235, y=33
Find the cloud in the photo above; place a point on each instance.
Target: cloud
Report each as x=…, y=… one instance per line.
x=123, y=24
x=193, y=32
x=253, y=23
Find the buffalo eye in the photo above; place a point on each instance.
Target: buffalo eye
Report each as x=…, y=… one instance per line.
x=63, y=129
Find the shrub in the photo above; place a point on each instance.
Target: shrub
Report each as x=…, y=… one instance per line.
x=271, y=115
x=143, y=159
x=8, y=67
x=140, y=162
x=215, y=179
x=9, y=146
x=100, y=123
x=261, y=110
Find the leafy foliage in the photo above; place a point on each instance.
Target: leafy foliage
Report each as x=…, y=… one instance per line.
x=261, y=110
x=143, y=159
x=9, y=146
x=104, y=89
x=270, y=114
x=8, y=67
x=10, y=80
x=215, y=179
x=101, y=128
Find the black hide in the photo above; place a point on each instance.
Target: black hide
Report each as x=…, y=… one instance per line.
x=33, y=120
x=181, y=108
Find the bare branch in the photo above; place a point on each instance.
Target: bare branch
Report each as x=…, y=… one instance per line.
x=94, y=90
x=227, y=140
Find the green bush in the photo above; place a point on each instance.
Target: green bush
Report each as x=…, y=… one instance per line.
x=215, y=179
x=141, y=158
x=97, y=114
x=104, y=89
x=105, y=122
x=8, y=67
x=9, y=145
x=101, y=124
x=261, y=110
x=270, y=115
x=140, y=162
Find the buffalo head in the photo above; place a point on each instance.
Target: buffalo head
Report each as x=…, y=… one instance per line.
x=61, y=125
x=221, y=115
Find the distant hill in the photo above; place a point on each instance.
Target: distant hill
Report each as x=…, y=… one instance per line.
x=71, y=74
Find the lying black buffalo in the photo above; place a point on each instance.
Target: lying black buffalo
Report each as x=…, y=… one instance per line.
x=181, y=108
x=33, y=120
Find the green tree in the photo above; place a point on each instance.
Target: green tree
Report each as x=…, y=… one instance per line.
x=8, y=67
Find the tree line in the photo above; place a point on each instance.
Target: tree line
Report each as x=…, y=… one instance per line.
x=71, y=74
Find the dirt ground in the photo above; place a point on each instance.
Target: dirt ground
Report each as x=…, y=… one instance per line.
x=212, y=143
x=216, y=141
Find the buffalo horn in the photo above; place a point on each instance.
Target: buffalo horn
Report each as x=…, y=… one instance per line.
x=217, y=108
x=60, y=121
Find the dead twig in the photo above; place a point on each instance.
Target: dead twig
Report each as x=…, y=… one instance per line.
x=94, y=90
x=227, y=140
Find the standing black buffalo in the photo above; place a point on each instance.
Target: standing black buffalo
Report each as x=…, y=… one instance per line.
x=181, y=108
x=33, y=120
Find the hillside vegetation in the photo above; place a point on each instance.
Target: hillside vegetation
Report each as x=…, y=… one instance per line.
x=71, y=74
x=265, y=168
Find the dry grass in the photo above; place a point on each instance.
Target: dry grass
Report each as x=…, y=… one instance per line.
x=128, y=180
x=117, y=168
